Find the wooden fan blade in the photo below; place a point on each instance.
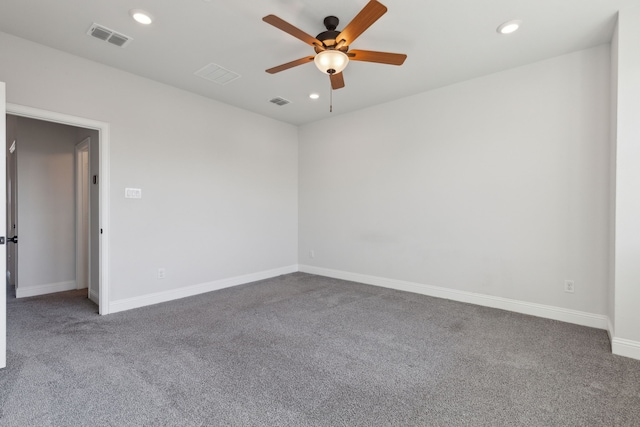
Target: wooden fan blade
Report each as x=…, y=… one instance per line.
x=380, y=57
x=337, y=81
x=291, y=64
x=290, y=29
x=363, y=20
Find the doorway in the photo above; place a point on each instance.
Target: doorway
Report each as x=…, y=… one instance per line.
x=92, y=156
x=53, y=249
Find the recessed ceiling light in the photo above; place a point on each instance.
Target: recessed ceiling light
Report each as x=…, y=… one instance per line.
x=509, y=26
x=141, y=16
x=314, y=96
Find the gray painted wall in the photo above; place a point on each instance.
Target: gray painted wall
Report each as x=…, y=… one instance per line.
x=219, y=184
x=627, y=208
x=497, y=186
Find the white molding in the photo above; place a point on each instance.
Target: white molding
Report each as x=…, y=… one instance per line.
x=3, y=250
x=523, y=307
x=622, y=346
x=626, y=348
x=104, y=138
x=47, y=288
x=160, y=297
x=104, y=212
x=52, y=116
x=94, y=296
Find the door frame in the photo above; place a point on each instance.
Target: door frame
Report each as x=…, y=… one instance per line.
x=83, y=212
x=103, y=182
x=3, y=211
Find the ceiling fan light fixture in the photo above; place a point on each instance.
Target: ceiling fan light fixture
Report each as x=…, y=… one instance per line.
x=331, y=61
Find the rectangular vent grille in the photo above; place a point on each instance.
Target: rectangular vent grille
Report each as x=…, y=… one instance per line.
x=217, y=74
x=280, y=101
x=105, y=34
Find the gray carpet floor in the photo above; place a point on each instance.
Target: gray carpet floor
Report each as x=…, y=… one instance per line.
x=303, y=350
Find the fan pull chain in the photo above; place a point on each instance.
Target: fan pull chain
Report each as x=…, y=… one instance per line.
x=330, y=97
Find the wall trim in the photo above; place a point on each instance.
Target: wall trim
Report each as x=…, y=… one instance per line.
x=545, y=311
x=622, y=346
x=47, y=288
x=94, y=296
x=626, y=348
x=188, y=291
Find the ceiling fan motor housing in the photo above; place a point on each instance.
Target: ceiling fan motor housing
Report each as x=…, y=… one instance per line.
x=328, y=38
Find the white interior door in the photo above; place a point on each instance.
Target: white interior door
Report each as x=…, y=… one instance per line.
x=83, y=244
x=3, y=222
x=12, y=206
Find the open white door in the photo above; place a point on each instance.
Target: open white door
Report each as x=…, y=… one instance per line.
x=3, y=222
x=83, y=215
x=12, y=217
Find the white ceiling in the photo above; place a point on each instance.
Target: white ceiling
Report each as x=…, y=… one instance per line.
x=446, y=41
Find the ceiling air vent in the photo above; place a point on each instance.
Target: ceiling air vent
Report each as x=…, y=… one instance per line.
x=280, y=101
x=217, y=74
x=105, y=34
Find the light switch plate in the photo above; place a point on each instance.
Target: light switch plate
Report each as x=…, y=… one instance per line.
x=133, y=193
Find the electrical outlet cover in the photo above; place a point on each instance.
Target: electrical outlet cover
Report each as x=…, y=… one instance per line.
x=569, y=286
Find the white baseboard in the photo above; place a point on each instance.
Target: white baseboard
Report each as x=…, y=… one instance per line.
x=533, y=309
x=94, y=296
x=622, y=346
x=48, y=288
x=626, y=348
x=159, y=297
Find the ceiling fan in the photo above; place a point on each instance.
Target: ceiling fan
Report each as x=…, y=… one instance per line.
x=332, y=46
